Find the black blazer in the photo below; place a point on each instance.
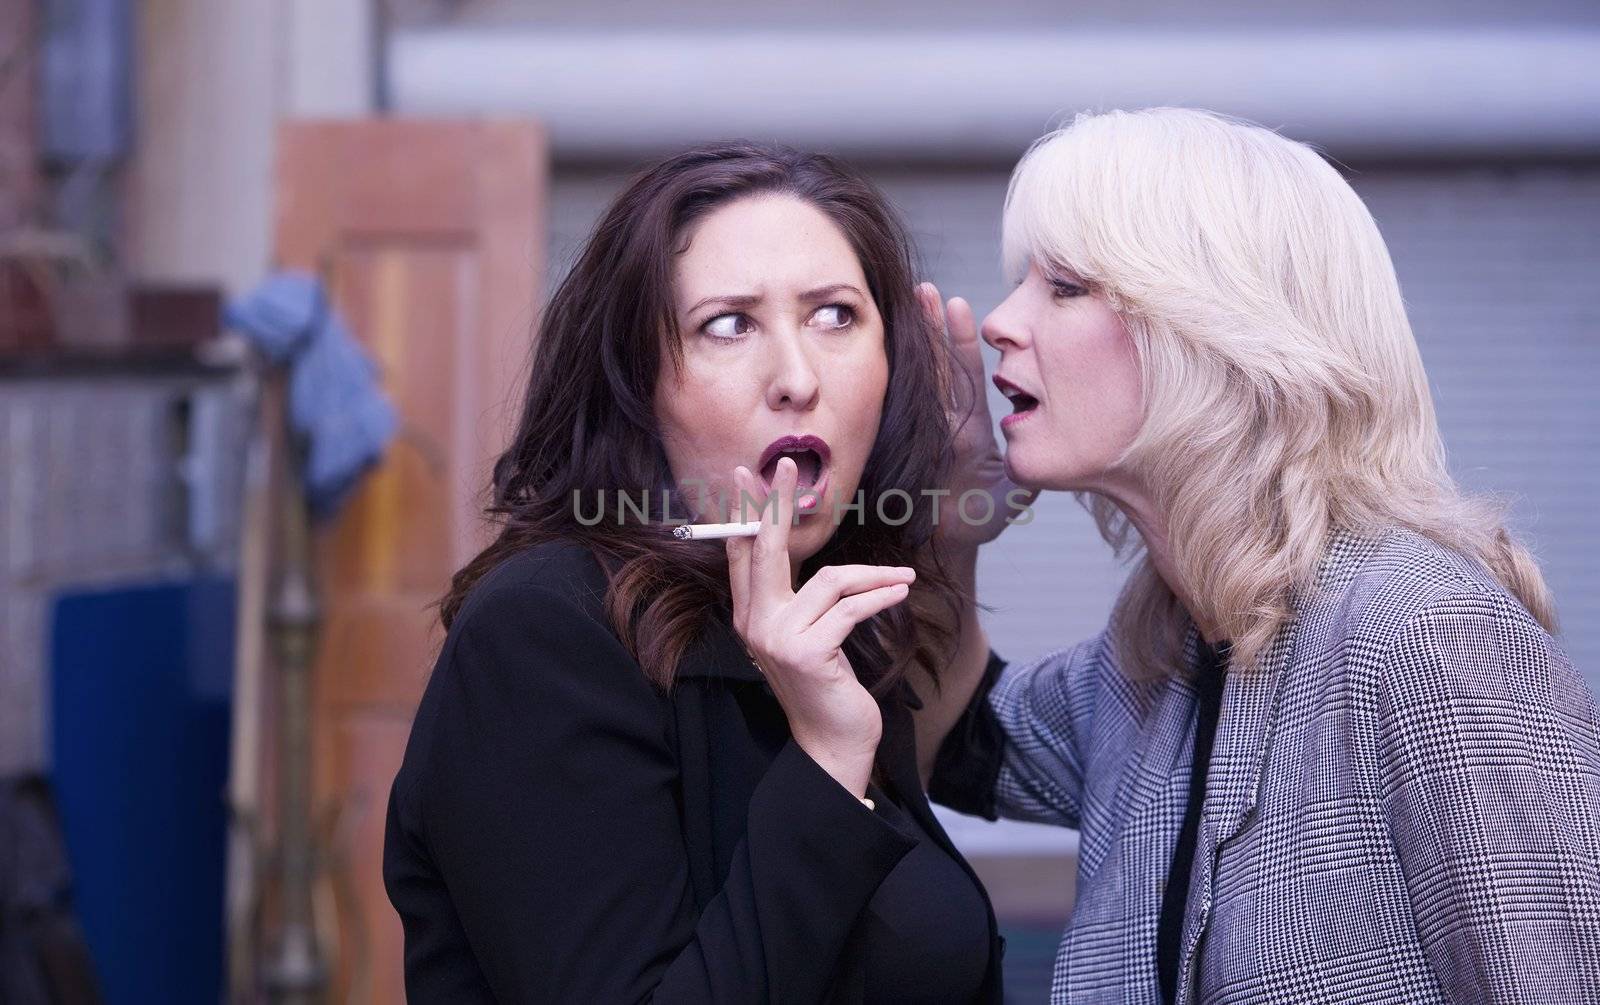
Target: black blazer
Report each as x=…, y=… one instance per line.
x=561, y=830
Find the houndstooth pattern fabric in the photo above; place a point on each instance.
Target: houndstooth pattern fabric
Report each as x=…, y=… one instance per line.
x=1403, y=802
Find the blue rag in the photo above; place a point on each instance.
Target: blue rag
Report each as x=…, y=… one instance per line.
x=335, y=404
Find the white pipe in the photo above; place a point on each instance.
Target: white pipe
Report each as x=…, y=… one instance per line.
x=1412, y=92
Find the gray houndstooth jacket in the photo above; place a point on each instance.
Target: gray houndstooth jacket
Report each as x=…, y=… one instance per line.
x=1403, y=802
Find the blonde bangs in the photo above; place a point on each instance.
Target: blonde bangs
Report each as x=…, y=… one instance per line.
x=1042, y=221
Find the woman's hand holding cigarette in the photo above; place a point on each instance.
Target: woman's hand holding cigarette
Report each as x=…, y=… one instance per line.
x=796, y=638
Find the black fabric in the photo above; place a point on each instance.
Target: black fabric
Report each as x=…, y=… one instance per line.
x=562, y=831
x=922, y=926
x=1210, y=673
x=44, y=958
x=968, y=762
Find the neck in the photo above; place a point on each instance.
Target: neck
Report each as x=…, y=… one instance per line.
x=1151, y=522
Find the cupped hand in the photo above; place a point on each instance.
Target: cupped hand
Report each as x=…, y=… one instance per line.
x=978, y=467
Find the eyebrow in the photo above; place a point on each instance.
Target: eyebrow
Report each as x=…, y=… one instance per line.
x=739, y=301
x=1064, y=272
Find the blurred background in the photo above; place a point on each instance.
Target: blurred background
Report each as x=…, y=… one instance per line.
x=212, y=635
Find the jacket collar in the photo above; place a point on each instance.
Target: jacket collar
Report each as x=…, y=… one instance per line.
x=1251, y=697
x=1249, y=716
x=719, y=653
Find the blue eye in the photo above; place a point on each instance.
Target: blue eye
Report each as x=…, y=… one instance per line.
x=728, y=327
x=835, y=316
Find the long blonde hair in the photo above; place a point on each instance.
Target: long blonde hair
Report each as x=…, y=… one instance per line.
x=1284, y=394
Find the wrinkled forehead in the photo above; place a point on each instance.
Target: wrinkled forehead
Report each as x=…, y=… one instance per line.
x=773, y=246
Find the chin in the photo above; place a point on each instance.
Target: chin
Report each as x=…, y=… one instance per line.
x=1037, y=474
x=803, y=549
x=1020, y=471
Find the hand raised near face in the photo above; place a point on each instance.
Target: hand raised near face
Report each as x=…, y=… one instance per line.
x=978, y=465
x=797, y=637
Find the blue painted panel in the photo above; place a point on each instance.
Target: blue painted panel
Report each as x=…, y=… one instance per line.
x=141, y=703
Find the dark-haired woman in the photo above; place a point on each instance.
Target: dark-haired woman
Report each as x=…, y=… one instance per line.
x=605, y=797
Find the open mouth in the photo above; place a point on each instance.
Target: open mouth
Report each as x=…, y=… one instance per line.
x=810, y=455
x=1021, y=401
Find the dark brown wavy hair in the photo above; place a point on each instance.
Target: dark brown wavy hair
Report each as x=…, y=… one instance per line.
x=588, y=426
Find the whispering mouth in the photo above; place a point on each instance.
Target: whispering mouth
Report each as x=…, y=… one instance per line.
x=1021, y=401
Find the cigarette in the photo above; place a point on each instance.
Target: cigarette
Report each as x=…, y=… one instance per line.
x=711, y=531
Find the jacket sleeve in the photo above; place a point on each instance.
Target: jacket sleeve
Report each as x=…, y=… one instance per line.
x=1018, y=751
x=968, y=761
x=1490, y=771
x=548, y=805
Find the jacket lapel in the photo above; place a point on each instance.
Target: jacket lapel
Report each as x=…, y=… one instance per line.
x=898, y=754
x=713, y=759
x=719, y=653
x=1245, y=728
x=1158, y=715
x=1249, y=706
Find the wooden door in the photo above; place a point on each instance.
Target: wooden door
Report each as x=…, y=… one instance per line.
x=431, y=236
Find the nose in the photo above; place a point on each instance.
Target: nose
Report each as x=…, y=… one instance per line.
x=1003, y=328
x=795, y=380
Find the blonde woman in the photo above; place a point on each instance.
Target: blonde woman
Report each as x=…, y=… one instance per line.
x=1326, y=749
